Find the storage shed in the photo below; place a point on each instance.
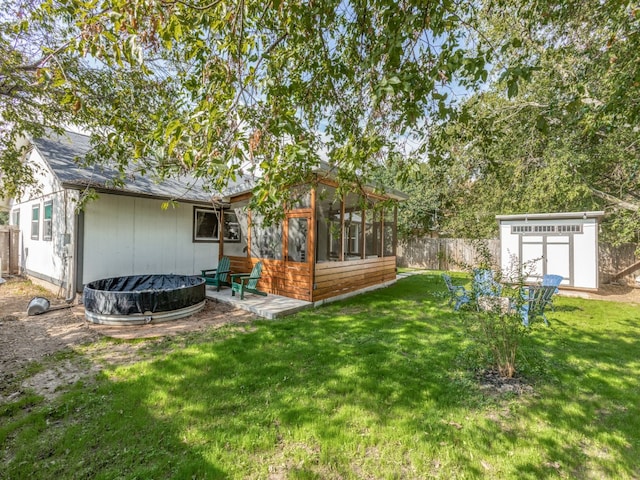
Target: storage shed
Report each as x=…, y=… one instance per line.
x=552, y=243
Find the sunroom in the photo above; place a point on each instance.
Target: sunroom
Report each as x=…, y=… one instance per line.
x=327, y=245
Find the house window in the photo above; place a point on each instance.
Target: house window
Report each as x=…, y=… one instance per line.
x=576, y=228
x=521, y=229
x=16, y=217
x=46, y=220
x=231, y=227
x=236, y=230
x=535, y=229
x=35, y=222
x=205, y=225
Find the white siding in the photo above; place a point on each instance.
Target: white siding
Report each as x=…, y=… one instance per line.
x=585, y=249
x=46, y=259
x=510, y=249
x=574, y=256
x=134, y=236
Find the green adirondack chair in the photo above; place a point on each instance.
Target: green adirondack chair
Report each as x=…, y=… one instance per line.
x=243, y=282
x=218, y=277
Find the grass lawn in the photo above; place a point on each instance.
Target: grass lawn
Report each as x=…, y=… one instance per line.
x=378, y=386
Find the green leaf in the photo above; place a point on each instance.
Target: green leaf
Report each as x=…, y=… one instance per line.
x=541, y=124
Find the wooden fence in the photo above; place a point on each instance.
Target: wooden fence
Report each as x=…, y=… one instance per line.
x=616, y=260
x=454, y=253
x=445, y=253
x=9, y=244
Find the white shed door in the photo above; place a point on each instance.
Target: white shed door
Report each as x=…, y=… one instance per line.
x=542, y=254
x=558, y=257
x=531, y=258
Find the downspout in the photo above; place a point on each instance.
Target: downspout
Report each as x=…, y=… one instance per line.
x=79, y=250
x=70, y=253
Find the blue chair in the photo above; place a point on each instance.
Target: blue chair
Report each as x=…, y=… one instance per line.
x=457, y=293
x=484, y=284
x=549, y=280
x=535, y=300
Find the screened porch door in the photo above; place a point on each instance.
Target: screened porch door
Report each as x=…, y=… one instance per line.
x=297, y=238
x=298, y=254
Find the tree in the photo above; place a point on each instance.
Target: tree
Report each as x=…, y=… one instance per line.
x=218, y=88
x=29, y=98
x=419, y=214
x=567, y=139
x=45, y=85
x=245, y=85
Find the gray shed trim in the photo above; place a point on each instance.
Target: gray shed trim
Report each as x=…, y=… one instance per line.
x=550, y=216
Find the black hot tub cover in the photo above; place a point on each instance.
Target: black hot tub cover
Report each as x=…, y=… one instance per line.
x=143, y=294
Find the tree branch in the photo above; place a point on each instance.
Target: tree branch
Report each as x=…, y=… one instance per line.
x=616, y=201
x=191, y=5
x=43, y=60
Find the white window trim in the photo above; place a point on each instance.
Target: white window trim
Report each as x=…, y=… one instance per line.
x=45, y=220
x=36, y=221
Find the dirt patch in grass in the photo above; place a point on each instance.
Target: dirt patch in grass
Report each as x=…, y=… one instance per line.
x=612, y=293
x=490, y=381
x=32, y=340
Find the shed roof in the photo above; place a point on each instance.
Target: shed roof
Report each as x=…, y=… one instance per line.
x=553, y=216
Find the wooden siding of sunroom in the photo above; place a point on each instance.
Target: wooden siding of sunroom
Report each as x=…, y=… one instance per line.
x=311, y=281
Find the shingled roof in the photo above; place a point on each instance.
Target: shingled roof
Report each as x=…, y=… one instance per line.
x=62, y=153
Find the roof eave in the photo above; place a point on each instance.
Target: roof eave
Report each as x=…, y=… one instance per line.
x=548, y=216
x=130, y=193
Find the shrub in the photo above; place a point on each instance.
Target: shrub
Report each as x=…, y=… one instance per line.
x=494, y=324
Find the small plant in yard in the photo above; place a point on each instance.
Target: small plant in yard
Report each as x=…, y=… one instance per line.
x=498, y=335
x=493, y=322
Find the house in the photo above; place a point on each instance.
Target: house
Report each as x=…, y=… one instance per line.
x=124, y=232
x=563, y=244
x=326, y=246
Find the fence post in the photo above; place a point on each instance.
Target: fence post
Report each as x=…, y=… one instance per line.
x=9, y=242
x=4, y=250
x=14, y=266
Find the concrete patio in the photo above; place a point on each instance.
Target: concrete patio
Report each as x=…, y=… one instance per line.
x=270, y=307
x=276, y=306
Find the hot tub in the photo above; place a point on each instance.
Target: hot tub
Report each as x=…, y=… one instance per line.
x=141, y=299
